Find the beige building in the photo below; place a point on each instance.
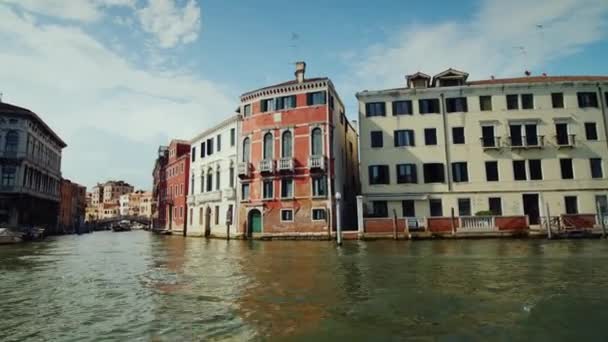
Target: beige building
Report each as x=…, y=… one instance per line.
x=112, y=190
x=509, y=146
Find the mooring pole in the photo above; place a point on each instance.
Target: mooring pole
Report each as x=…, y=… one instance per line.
x=395, y=234
x=549, y=232
x=600, y=215
x=338, y=219
x=452, y=221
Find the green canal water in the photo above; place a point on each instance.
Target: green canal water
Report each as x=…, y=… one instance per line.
x=135, y=286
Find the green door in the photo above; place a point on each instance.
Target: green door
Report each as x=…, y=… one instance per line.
x=255, y=221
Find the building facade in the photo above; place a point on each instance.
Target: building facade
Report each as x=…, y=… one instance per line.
x=112, y=190
x=297, y=150
x=30, y=169
x=177, y=181
x=159, y=189
x=213, y=181
x=71, y=207
x=500, y=146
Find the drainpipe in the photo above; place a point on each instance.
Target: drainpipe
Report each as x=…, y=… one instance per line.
x=446, y=147
x=603, y=108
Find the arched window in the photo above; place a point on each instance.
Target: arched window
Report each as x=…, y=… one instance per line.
x=246, y=149
x=268, y=140
x=209, y=180
x=217, y=178
x=286, y=145
x=317, y=141
x=202, y=181
x=192, y=184
x=12, y=141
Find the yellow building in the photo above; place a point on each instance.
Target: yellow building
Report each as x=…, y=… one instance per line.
x=510, y=146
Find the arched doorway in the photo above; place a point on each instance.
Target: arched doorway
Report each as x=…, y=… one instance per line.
x=208, y=222
x=254, y=220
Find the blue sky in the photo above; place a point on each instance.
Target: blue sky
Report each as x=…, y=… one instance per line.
x=116, y=78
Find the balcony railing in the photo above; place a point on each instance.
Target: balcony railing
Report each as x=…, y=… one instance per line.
x=533, y=141
x=489, y=143
x=213, y=196
x=476, y=224
x=316, y=162
x=228, y=194
x=565, y=141
x=415, y=223
x=267, y=165
x=286, y=164
x=244, y=169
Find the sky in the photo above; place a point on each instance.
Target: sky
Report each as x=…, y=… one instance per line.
x=117, y=78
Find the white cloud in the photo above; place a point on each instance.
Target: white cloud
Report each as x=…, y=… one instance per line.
x=76, y=84
x=170, y=24
x=78, y=10
x=488, y=44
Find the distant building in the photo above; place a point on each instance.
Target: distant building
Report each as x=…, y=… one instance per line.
x=72, y=207
x=109, y=192
x=30, y=172
x=213, y=180
x=112, y=190
x=159, y=189
x=297, y=150
x=504, y=147
x=146, y=204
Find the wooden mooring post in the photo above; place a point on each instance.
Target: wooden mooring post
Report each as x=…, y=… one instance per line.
x=452, y=221
x=395, y=234
x=549, y=232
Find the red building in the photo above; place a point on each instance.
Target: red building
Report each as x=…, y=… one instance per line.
x=71, y=207
x=159, y=189
x=297, y=151
x=177, y=171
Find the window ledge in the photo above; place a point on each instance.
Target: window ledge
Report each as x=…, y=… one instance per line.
x=319, y=197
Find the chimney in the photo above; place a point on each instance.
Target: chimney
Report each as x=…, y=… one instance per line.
x=300, y=71
x=528, y=73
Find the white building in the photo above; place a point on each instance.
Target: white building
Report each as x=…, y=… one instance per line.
x=508, y=146
x=213, y=180
x=123, y=201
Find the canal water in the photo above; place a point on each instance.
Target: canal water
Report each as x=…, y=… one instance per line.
x=136, y=286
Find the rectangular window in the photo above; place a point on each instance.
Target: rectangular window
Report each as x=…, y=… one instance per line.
x=209, y=182
x=495, y=206
x=247, y=110
x=209, y=147
x=406, y=174
x=378, y=174
x=516, y=136
x=318, y=215
x=377, y=139
x=512, y=102
x=587, y=99
x=590, y=131
x=430, y=136
x=203, y=150
x=487, y=136
x=460, y=172
x=428, y=106
x=380, y=209
x=245, y=191
x=531, y=135
x=319, y=186
x=536, y=171
x=571, y=204
x=492, y=171
x=9, y=174
x=231, y=175
x=408, y=208
x=458, y=135
x=404, y=137
x=218, y=140
x=436, y=207
x=287, y=215
x=464, y=207
x=217, y=180
x=519, y=170
x=456, y=104
x=485, y=103
x=217, y=215
x=527, y=101
x=267, y=105
x=286, y=188
x=193, y=154
x=402, y=107
x=268, y=189
x=316, y=98
x=596, y=168
x=375, y=109
x=286, y=102
x=433, y=173
x=557, y=100
x=561, y=133
x=566, y=168
x=232, y=137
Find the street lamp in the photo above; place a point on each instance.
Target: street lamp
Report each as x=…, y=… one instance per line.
x=338, y=219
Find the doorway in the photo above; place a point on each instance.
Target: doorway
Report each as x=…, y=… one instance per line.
x=255, y=222
x=531, y=208
x=170, y=217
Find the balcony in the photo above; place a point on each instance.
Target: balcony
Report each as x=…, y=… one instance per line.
x=490, y=143
x=267, y=166
x=286, y=164
x=9, y=154
x=191, y=200
x=527, y=142
x=565, y=141
x=229, y=194
x=244, y=169
x=316, y=162
x=213, y=196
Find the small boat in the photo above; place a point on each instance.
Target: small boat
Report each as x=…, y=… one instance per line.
x=8, y=236
x=122, y=226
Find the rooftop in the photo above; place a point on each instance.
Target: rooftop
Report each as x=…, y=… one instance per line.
x=7, y=108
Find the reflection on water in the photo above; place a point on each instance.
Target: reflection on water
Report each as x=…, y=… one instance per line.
x=136, y=286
